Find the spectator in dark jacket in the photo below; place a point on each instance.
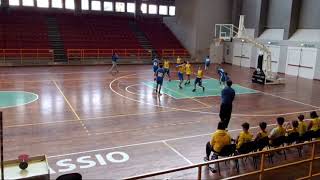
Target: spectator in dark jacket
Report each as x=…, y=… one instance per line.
x=227, y=97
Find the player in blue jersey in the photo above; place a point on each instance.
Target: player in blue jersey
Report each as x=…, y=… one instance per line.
x=159, y=78
x=223, y=76
x=155, y=66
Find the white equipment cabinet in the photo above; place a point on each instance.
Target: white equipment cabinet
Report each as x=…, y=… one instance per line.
x=242, y=54
x=275, y=57
x=301, y=62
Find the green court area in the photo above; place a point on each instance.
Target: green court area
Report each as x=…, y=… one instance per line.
x=213, y=88
x=16, y=98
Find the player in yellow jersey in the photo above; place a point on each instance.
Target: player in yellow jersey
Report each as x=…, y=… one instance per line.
x=178, y=60
x=166, y=67
x=198, y=80
x=181, y=70
x=188, y=72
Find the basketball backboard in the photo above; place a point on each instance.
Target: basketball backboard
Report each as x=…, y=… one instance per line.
x=225, y=31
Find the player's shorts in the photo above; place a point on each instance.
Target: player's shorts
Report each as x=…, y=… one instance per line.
x=155, y=68
x=188, y=74
x=198, y=81
x=180, y=76
x=222, y=79
x=207, y=64
x=160, y=81
x=166, y=71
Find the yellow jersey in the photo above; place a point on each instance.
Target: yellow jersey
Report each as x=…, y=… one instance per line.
x=219, y=139
x=200, y=74
x=244, y=137
x=261, y=135
x=302, y=128
x=182, y=68
x=277, y=132
x=315, y=124
x=178, y=60
x=188, y=69
x=166, y=64
x=293, y=130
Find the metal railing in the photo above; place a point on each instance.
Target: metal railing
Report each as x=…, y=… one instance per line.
x=82, y=54
x=260, y=171
x=175, y=53
x=36, y=55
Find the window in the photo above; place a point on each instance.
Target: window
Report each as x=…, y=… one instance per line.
x=28, y=3
x=172, y=10
x=42, y=3
x=153, y=9
x=85, y=4
x=96, y=5
x=163, y=10
x=57, y=3
x=108, y=6
x=69, y=4
x=131, y=7
x=14, y=2
x=120, y=7
x=144, y=8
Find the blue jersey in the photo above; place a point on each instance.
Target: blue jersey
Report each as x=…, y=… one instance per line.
x=160, y=74
x=115, y=58
x=155, y=63
x=221, y=72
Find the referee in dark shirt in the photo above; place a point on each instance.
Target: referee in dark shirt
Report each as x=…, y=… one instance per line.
x=227, y=97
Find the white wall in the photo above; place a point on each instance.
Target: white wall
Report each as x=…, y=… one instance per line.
x=283, y=59
x=183, y=24
x=195, y=20
x=317, y=70
x=209, y=13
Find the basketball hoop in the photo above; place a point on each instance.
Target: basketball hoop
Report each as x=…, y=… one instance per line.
x=218, y=41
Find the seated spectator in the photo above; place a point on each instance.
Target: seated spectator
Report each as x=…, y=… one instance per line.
x=278, y=131
x=294, y=127
x=219, y=139
x=263, y=133
x=314, y=124
x=245, y=136
x=302, y=127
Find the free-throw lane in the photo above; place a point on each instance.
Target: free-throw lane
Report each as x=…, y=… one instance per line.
x=16, y=98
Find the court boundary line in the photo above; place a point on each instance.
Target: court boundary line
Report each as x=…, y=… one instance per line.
x=201, y=112
x=72, y=109
x=287, y=99
x=59, y=73
x=95, y=118
x=36, y=95
x=147, y=143
x=177, y=152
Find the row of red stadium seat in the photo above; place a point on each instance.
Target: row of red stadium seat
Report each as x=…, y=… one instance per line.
x=25, y=29
x=96, y=32
x=159, y=34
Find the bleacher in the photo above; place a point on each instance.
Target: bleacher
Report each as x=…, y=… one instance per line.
x=159, y=34
x=23, y=30
x=24, y=35
x=96, y=32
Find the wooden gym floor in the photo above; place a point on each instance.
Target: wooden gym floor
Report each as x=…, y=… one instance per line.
x=105, y=126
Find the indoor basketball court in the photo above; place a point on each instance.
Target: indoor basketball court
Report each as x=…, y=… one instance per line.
x=86, y=120
x=79, y=81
